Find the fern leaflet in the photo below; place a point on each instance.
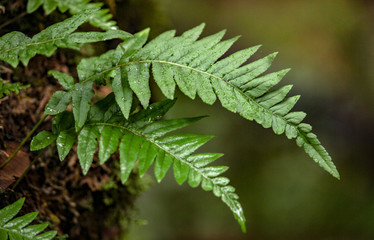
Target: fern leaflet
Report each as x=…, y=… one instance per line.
x=7, y=88
x=193, y=66
x=18, y=228
x=99, y=19
x=141, y=138
x=16, y=46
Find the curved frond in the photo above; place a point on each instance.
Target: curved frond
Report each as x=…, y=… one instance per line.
x=196, y=68
x=142, y=139
x=100, y=18
x=17, y=228
x=16, y=46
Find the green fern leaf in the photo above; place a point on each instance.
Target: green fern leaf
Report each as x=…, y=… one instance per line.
x=65, y=80
x=94, y=69
x=17, y=228
x=7, y=88
x=58, y=103
x=87, y=142
x=99, y=19
x=65, y=141
x=194, y=66
x=32, y=5
x=42, y=140
x=82, y=95
x=66, y=136
x=15, y=46
x=141, y=139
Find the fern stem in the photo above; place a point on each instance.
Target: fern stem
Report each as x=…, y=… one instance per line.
x=28, y=168
x=23, y=141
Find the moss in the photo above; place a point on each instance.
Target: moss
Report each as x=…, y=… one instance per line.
x=74, y=204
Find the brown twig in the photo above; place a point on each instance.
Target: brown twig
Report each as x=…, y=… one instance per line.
x=12, y=20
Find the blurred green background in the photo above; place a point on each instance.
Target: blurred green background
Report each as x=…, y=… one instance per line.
x=285, y=195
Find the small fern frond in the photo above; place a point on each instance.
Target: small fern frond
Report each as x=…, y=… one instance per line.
x=7, y=88
x=100, y=18
x=141, y=138
x=16, y=46
x=95, y=70
x=194, y=66
x=18, y=228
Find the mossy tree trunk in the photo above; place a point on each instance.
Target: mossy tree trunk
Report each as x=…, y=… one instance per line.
x=95, y=206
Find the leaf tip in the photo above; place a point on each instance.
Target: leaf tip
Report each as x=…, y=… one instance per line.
x=85, y=168
x=144, y=32
x=222, y=32
x=283, y=72
x=236, y=37
x=51, y=72
x=201, y=117
x=255, y=48
x=209, y=137
x=273, y=55
x=170, y=102
x=21, y=201
x=201, y=26
x=334, y=172
x=288, y=87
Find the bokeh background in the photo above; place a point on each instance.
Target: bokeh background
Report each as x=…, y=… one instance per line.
x=329, y=44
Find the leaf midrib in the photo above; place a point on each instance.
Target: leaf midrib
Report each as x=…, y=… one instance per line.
x=172, y=154
x=147, y=139
x=231, y=85
x=34, y=43
x=193, y=69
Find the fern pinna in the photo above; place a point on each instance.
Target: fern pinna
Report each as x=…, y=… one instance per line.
x=16, y=46
x=195, y=67
x=6, y=88
x=100, y=18
x=141, y=138
x=18, y=228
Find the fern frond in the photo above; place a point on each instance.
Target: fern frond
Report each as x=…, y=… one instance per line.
x=95, y=69
x=16, y=46
x=194, y=66
x=7, y=88
x=18, y=228
x=141, y=138
x=100, y=18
